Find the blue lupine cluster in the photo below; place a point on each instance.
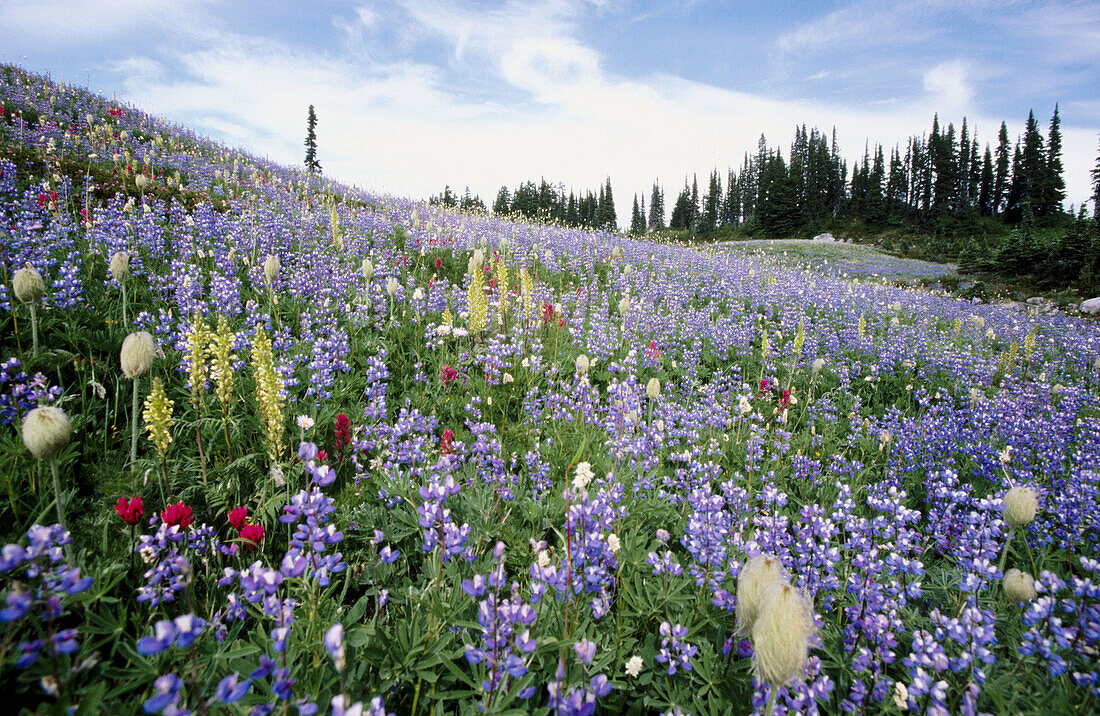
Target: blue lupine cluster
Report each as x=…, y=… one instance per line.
x=439, y=529
x=20, y=393
x=307, y=553
x=49, y=580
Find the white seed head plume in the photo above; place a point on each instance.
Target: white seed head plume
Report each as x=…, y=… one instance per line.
x=120, y=266
x=781, y=635
x=368, y=269
x=392, y=285
x=137, y=354
x=1019, y=586
x=1021, y=505
x=582, y=364
x=271, y=267
x=759, y=573
x=46, y=432
x=28, y=285
x=653, y=388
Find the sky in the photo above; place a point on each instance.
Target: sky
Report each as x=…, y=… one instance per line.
x=412, y=95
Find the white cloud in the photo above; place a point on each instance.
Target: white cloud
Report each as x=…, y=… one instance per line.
x=948, y=87
x=409, y=127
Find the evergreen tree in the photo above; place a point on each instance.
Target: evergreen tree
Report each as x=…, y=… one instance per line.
x=708, y=221
x=637, y=219
x=1033, y=167
x=1096, y=190
x=985, y=185
x=656, y=209
x=731, y=205
x=502, y=205
x=312, y=165
x=605, y=213
x=1002, y=177
x=693, y=211
x=681, y=211
x=1053, y=190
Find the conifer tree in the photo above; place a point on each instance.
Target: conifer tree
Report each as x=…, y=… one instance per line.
x=656, y=209
x=312, y=165
x=1053, y=190
x=1002, y=178
x=637, y=219
x=1096, y=190
x=502, y=205
x=985, y=185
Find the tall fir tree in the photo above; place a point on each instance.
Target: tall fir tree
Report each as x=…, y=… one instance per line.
x=637, y=219
x=985, y=185
x=1096, y=191
x=1053, y=190
x=657, y=209
x=502, y=205
x=312, y=165
x=1002, y=175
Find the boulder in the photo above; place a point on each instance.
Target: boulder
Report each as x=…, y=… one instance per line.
x=1091, y=306
x=825, y=237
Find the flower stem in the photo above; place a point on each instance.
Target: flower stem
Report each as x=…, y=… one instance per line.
x=60, y=510
x=34, y=330
x=134, y=427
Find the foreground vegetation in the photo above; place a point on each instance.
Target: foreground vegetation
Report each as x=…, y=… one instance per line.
x=300, y=448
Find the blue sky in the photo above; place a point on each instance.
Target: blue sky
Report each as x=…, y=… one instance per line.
x=415, y=94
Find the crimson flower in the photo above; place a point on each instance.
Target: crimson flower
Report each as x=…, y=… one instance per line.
x=130, y=510
x=445, y=442
x=438, y=263
x=322, y=456
x=785, y=399
x=547, y=311
x=253, y=535
x=237, y=517
x=343, y=433
x=764, y=388
x=178, y=514
x=448, y=374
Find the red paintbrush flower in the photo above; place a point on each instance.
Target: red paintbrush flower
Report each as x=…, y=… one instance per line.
x=343, y=434
x=130, y=510
x=253, y=535
x=237, y=517
x=448, y=374
x=178, y=514
x=445, y=442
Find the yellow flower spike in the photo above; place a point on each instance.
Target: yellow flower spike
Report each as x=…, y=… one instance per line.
x=269, y=393
x=158, y=418
x=528, y=292
x=221, y=368
x=478, y=309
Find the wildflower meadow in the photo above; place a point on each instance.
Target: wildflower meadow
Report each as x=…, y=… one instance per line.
x=272, y=444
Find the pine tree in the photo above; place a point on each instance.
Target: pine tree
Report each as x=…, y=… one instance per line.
x=708, y=221
x=681, y=211
x=1002, y=177
x=1096, y=190
x=502, y=205
x=637, y=219
x=985, y=185
x=657, y=209
x=312, y=165
x=1054, y=187
x=1033, y=165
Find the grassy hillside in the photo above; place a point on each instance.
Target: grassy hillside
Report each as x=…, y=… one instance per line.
x=373, y=454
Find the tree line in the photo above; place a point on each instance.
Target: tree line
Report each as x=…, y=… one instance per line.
x=995, y=206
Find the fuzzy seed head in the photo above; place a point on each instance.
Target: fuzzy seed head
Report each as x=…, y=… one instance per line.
x=46, y=432
x=271, y=267
x=582, y=364
x=1021, y=505
x=368, y=269
x=137, y=354
x=781, y=635
x=653, y=388
x=392, y=285
x=1019, y=586
x=120, y=266
x=759, y=573
x=28, y=285
x=818, y=365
